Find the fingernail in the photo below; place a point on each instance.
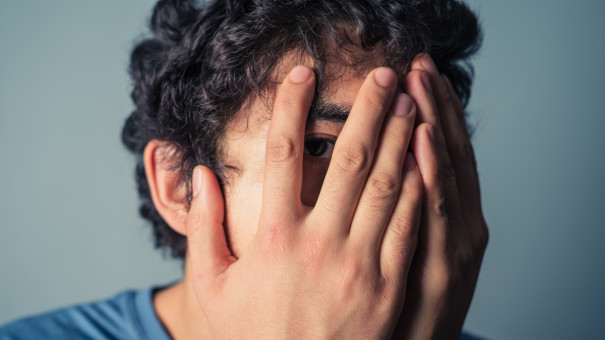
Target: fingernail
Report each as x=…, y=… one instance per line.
x=429, y=64
x=418, y=58
x=385, y=77
x=426, y=81
x=300, y=74
x=431, y=132
x=196, y=181
x=402, y=105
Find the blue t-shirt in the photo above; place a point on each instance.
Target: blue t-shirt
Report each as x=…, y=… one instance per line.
x=128, y=315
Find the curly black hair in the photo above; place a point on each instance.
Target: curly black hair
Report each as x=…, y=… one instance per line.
x=204, y=60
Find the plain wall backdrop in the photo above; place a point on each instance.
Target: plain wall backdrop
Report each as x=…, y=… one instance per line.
x=69, y=225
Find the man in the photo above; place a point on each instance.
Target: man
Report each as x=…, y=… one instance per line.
x=310, y=162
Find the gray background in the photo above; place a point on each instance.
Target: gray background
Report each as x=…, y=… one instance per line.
x=69, y=228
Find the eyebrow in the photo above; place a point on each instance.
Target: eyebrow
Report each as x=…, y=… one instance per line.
x=328, y=111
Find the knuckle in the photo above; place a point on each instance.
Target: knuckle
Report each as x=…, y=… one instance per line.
x=280, y=149
x=383, y=187
x=348, y=282
x=439, y=207
x=355, y=279
x=385, y=293
x=403, y=227
x=482, y=238
x=351, y=158
x=351, y=274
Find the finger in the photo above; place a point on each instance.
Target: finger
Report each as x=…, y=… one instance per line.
x=207, y=245
x=418, y=86
x=354, y=150
x=428, y=273
x=444, y=109
x=462, y=154
x=433, y=237
x=457, y=143
x=284, y=151
x=382, y=188
x=457, y=105
x=429, y=103
x=400, y=237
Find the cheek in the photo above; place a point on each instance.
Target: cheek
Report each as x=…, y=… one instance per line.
x=243, y=195
x=242, y=211
x=243, y=200
x=245, y=149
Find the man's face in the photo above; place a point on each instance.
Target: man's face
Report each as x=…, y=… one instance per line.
x=244, y=147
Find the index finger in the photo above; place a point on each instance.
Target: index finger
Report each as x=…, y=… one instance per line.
x=456, y=140
x=354, y=150
x=284, y=149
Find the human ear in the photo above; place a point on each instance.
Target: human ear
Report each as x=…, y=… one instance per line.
x=167, y=190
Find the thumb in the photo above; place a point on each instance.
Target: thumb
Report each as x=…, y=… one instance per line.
x=207, y=245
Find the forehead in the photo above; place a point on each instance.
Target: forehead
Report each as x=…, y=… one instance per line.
x=344, y=71
x=243, y=143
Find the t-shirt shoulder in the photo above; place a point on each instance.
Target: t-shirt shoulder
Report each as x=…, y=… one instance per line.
x=128, y=315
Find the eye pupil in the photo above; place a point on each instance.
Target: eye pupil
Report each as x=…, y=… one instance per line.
x=315, y=147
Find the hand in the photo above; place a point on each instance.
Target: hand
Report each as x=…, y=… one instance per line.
x=453, y=234
x=336, y=270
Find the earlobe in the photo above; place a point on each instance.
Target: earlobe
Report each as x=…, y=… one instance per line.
x=168, y=192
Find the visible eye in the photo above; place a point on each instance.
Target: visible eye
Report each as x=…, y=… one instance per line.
x=319, y=147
